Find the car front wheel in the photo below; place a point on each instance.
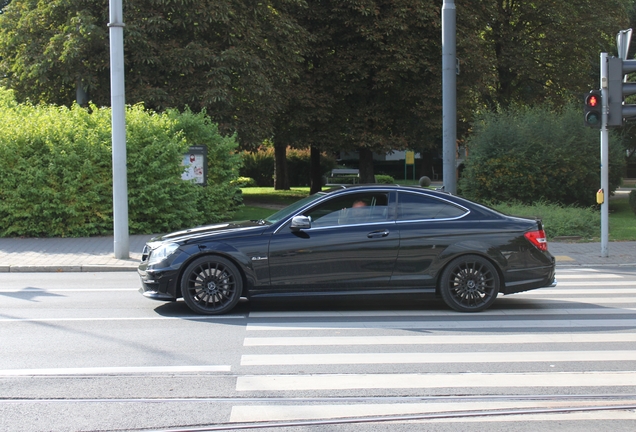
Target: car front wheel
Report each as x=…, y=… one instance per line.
x=211, y=285
x=469, y=283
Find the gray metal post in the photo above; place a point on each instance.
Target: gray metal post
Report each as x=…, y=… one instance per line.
x=604, y=159
x=449, y=96
x=118, y=113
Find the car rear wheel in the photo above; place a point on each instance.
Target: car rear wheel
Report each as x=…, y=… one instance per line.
x=469, y=283
x=211, y=285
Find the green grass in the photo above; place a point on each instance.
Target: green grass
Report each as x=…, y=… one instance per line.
x=558, y=220
x=622, y=221
x=252, y=213
x=256, y=198
x=270, y=196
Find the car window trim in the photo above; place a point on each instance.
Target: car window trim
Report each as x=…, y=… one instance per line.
x=397, y=203
x=388, y=221
x=339, y=194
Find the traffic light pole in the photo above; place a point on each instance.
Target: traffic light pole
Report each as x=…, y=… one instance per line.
x=604, y=158
x=449, y=96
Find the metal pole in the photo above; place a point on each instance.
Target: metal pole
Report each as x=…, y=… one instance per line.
x=449, y=96
x=118, y=113
x=604, y=159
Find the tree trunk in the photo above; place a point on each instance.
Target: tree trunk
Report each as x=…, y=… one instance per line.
x=366, y=166
x=281, y=179
x=316, y=174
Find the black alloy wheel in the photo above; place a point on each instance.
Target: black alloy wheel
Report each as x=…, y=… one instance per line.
x=469, y=283
x=211, y=285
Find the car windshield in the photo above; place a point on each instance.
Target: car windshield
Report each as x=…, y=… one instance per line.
x=291, y=209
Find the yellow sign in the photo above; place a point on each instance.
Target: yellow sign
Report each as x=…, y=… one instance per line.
x=600, y=196
x=410, y=158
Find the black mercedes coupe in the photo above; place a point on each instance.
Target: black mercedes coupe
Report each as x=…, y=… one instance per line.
x=360, y=240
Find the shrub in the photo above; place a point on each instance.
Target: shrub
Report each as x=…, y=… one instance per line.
x=558, y=220
x=259, y=166
x=632, y=200
x=56, y=171
x=384, y=179
x=536, y=154
x=170, y=202
x=244, y=182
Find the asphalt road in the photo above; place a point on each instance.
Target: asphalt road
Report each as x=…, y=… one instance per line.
x=86, y=352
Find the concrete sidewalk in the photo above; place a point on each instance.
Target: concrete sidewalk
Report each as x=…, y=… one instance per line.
x=95, y=254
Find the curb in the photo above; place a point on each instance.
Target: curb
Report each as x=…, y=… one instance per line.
x=596, y=265
x=66, y=268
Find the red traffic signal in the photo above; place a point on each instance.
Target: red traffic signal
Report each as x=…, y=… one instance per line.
x=592, y=101
x=592, y=110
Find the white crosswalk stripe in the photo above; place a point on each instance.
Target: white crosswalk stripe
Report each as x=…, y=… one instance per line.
x=423, y=381
x=295, y=412
x=442, y=325
x=517, y=338
x=575, y=338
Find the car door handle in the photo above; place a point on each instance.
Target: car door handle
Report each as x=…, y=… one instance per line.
x=377, y=234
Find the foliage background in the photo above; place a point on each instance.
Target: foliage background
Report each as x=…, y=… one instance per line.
x=331, y=74
x=56, y=170
x=537, y=154
x=260, y=166
x=233, y=57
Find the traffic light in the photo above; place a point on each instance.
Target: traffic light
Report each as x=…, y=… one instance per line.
x=617, y=90
x=593, y=105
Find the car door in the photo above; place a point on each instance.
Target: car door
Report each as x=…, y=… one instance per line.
x=427, y=226
x=352, y=245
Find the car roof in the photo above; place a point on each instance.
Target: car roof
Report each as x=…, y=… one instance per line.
x=363, y=187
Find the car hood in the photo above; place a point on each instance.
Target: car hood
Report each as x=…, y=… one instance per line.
x=211, y=230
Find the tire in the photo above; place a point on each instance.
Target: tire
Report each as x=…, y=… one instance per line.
x=211, y=285
x=470, y=283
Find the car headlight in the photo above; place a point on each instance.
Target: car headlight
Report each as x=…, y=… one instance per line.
x=162, y=252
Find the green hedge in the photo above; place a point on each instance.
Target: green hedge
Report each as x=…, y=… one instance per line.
x=558, y=220
x=384, y=179
x=537, y=154
x=56, y=171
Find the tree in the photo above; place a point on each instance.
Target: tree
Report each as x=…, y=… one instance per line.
x=232, y=57
x=371, y=80
x=541, y=49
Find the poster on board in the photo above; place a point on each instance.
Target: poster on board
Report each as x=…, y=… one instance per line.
x=195, y=165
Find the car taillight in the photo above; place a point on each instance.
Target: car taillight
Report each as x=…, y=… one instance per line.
x=538, y=239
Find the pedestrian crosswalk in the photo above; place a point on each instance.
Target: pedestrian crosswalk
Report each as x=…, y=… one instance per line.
x=577, y=338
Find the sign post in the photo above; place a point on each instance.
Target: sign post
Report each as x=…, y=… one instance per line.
x=409, y=159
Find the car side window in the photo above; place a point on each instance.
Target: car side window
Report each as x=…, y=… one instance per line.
x=413, y=206
x=350, y=209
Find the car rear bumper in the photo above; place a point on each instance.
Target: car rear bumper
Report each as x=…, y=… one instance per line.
x=538, y=277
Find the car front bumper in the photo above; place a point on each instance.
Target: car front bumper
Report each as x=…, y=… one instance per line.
x=158, y=284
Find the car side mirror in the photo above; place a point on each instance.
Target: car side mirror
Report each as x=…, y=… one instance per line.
x=300, y=223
